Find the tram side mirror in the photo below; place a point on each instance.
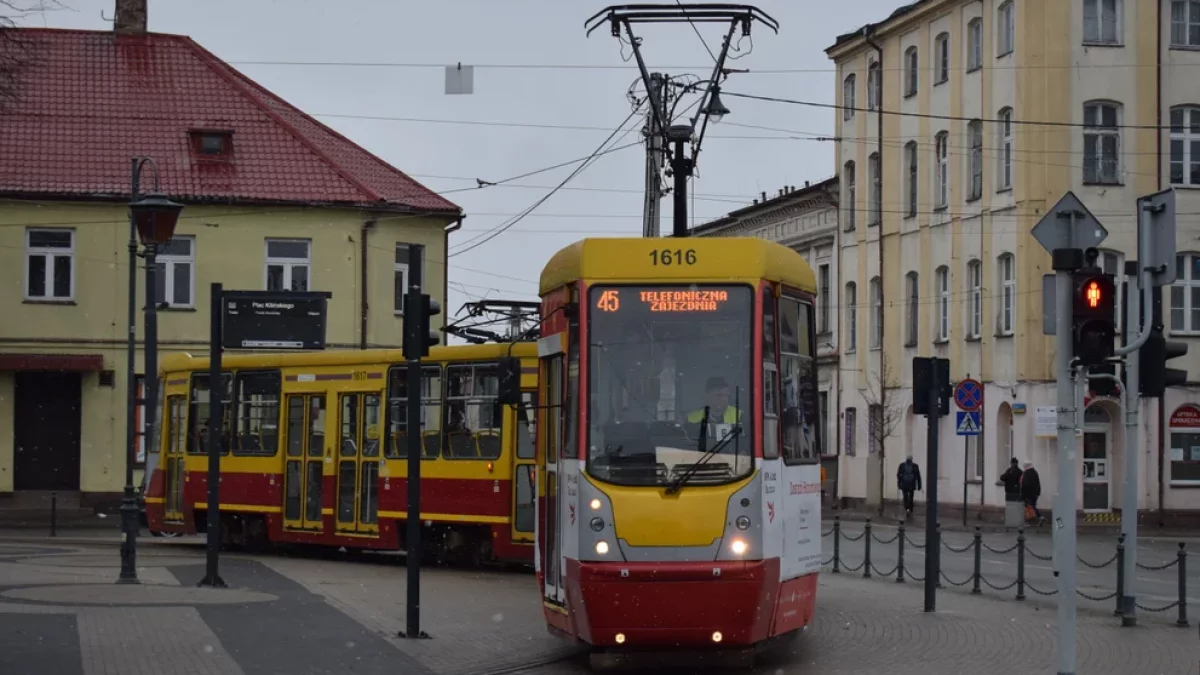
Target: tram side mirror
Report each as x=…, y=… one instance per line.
x=510, y=381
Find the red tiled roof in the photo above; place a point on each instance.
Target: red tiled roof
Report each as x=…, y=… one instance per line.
x=87, y=101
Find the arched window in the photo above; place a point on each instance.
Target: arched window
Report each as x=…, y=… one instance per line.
x=851, y=194
x=941, y=58
x=911, y=66
x=874, y=86
x=1007, y=277
x=913, y=309
x=1005, y=29
x=848, y=97
x=876, y=313
x=910, y=177
x=1004, y=133
x=1185, y=142
x=974, y=299
x=851, y=316
x=874, y=175
x=941, y=162
x=975, y=136
x=941, y=289
x=974, y=44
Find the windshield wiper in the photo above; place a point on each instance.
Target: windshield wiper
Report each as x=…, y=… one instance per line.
x=677, y=484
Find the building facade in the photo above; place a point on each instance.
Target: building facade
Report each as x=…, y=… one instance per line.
x=806, y=220
x=991, y=111
x=273, y=200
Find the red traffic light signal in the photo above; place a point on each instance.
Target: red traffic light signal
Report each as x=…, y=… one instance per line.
x=1094, y=317
x=1093, y=294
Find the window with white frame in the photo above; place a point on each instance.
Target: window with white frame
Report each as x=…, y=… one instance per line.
x=910, y=190
x=914, y=307
x=1102, y=21
x=851, y=194
x=874, y=86
x=176, y=272
x=1185, y=294
x=851, y=316
x=911, y=65
x=876, y=313
x=1005, y=157
x=974, y=44
x=1005, y=29
x=288, y=264
x=977, y=457
x=974, y=299
x=1101, y=142
x=823, y=281
x=1185, y=145
x=1185, y=23
x=848, y=97
x=941, y=159
x=1113, y=262
x=975, y=135
x=401, y=267
x=876, y=179
x=941, y=282
x=1007, y=276
x=49, y=265
x=941, y=58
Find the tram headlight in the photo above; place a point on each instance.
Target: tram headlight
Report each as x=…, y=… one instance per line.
x=743, y=522
x=602, y=547
x=597, y=524
x=738, y=546
x=595, y=504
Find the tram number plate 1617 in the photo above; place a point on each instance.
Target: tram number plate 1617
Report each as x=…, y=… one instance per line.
x=673, y=256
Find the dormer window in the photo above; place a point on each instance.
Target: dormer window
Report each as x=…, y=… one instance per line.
x=213, y=144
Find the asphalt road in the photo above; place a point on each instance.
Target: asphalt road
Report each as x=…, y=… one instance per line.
x=1154, y=588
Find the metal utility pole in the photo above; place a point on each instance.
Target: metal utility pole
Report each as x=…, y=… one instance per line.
x=654, y=156
x=1133, y=443
x=1066, y=261
x=621, y=19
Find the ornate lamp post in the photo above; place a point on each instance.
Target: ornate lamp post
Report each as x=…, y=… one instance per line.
x=152, y=219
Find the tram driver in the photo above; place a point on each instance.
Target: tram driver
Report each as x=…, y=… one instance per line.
x=720, y=411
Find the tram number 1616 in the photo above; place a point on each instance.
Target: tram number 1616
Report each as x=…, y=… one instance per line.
x=677, y=256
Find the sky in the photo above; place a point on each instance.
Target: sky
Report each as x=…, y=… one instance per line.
x=386, y=59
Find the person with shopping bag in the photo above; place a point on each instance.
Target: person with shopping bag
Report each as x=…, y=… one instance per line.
x=1031, y=489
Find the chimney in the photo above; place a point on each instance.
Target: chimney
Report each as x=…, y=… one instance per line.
x=764, y=196
x=805, y=183
x=130, y=17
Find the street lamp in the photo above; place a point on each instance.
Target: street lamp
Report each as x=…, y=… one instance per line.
x=714, y=108
x=152, y=219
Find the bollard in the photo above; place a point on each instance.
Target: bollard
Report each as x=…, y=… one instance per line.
x=936, y=550
x=1182, y=564
x=1020, y=563
x=867, y=550
x=900, y=557
x=1120, y=576
x=975, y=589
x=53, y=514
x=837, y=543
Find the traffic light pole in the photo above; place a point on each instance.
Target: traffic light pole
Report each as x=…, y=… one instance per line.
x=413, y=430
x=1066, y=261
x=1133, y=447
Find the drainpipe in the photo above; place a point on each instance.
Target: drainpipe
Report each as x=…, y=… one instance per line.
x=452, y=227
x=367, y=226
x=868, y=31
x=1158, y=171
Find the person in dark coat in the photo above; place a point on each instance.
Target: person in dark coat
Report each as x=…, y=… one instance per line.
x=1011, y=480
x=908, y=479
x=1031, y=489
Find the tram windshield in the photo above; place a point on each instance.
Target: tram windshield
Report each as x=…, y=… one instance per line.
x=658, y=355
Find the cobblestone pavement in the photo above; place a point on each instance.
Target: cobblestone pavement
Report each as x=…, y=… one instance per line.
x=61, y=613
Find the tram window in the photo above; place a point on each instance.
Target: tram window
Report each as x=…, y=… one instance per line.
x=800, y=420
x=473, y=411
x=370, y=425
x=527, y=425
x=397, y=412
x=570, y=449
x=316, y=426
x=770, y=377
x=295, y=426
x=554, y=404
x=197, y=441
x=258, y=413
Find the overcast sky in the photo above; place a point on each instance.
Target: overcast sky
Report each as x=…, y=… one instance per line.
x=608, y=198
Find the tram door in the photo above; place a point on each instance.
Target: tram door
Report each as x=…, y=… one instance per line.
x=358, y=463
x=305, y=464
x=175, y=431
x=550, y=525
x=524, y=469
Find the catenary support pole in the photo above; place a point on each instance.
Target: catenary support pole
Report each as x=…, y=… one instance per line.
x=416, y=329
x=654, y=158
x=931, y=488
x=1065, y=262
x=129, y=508
x=216, y=395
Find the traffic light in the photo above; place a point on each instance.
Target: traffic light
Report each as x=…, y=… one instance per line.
x=1153, y=374
x=418, y=336
x=1093, y=316
x=931, y=372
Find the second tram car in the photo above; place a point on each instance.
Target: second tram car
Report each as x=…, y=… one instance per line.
x=314, y=451
x=678, y=444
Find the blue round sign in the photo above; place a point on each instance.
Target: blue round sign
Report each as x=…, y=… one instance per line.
x=968, y=395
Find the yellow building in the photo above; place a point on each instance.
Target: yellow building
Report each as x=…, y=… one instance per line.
x=991, y=111
x=273, y=200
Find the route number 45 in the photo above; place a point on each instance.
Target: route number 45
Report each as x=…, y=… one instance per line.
x=677, y=256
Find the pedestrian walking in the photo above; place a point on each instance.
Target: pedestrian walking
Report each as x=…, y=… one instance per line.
x=1011, y=480
x=908, y=479
x=1031, y=489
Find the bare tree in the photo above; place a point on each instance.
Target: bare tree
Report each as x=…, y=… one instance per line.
x=16, y=50
x=885, y=412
